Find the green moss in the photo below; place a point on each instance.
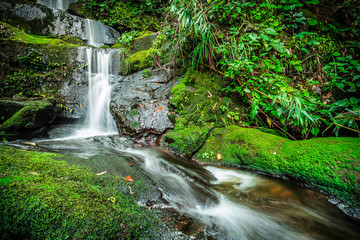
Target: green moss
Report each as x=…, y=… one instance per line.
x=43, y=198
x=14, y=34
x=27, y=117
x=188, y=138
x=144, y=34
x=140, y=60
x=330, y=164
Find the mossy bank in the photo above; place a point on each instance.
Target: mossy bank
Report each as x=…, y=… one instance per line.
x=212, y=131
x=44, y=198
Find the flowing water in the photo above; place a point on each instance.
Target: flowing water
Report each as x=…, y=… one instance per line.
x=221, y=203
x=57, y=4
x=100, y=72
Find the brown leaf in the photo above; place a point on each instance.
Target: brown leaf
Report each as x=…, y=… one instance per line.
x=128, y=178
x=218, y=156
x=98, y=174
x=142, y=106
x=129, y=164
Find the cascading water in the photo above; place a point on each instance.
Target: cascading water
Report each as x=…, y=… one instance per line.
x=225, y=219
x=100, y=72
x=57, y=4
x=95, y=32
x=103, y=65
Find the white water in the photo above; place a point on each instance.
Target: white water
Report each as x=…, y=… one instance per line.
x=100, y=70
x=95, y=32
x=57, y=4
x=224, y=218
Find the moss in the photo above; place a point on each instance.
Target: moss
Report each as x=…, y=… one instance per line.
x=330, y=164
x=34, y=65
x=33, y=115
x=17, y=35
x=187, y=138
x=197, y=101
x=43, y=198
x=144, y=34
x=139, y=61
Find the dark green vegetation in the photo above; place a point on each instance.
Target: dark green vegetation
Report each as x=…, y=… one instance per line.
x=123, y=15
x=44, y=198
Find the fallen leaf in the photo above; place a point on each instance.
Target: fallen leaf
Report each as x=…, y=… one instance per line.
x=142, y=106
x=218, y=156
x=98, y=174
x=159, y=109
x=213, y=147
x=130, y=190
x=129, y=164
x=210, y=95
x=268, y=121
x=128, y=178
x=80, y=106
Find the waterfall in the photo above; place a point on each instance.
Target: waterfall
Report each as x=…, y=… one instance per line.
x=100, y=72
x=95, y=32
x=57, y=4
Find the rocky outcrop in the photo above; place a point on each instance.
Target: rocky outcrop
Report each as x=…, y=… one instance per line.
x=38, y=19
x=140, y=103
x=43, y=66
x=29, y=121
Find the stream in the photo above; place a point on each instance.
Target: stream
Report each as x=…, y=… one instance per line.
x=218, y=203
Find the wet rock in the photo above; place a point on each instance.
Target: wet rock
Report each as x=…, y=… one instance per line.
x=140, y=104
x=38, y=19
x=65, y=77
x=30, y=120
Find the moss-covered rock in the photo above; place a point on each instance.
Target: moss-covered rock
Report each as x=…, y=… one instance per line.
x=140, y=60
x=34, y=65
x=32, y=117
x=330, y=164
x=43, y=198
x=144, y=42
x=200, y=108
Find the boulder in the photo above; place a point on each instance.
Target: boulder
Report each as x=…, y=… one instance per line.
x=30, y=121
x=140, y=103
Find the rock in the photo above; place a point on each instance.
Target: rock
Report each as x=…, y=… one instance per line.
x=30, y=120
x=8, y=108
x=38, y=19
x=140, y=104
x=143, y=42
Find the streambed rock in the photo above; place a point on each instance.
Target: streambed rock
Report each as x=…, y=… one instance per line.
x=139, y=103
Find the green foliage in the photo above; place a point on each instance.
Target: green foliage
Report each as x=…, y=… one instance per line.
x=126, y=15
x=126, y=39
x=278, y=57
x=42, y=198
